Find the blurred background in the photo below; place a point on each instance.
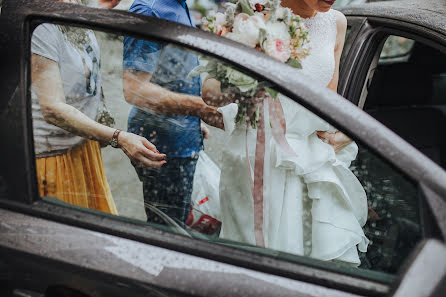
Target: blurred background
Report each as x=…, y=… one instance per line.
x=201, y=8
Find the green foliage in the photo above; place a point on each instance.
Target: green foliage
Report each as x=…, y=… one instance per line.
x=273, y=93
x=294, y=63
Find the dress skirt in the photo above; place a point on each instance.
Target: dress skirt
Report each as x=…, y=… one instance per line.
x=313, y=204
x=77, y=177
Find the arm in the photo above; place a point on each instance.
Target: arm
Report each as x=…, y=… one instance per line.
x=139, y=91
x=47, y=84
x=340, y=39
x=338, y=140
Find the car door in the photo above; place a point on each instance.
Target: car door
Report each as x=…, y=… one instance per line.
x=53, y=248
x=395, y=71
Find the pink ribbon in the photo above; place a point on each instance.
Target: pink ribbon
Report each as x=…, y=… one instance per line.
x=278, y=124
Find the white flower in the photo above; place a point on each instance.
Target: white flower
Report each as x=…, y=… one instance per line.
x=283, y=14
x=246, y=29
x=220, y=19
x=277, y=30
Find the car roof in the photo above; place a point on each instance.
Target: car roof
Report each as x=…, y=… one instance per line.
x=426, y=13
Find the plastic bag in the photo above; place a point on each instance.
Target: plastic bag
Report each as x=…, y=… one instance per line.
x=205, y=214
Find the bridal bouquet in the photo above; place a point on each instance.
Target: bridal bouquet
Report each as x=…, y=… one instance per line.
x=260, y=24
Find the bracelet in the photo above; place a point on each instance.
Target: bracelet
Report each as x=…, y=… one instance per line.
x=114, y=140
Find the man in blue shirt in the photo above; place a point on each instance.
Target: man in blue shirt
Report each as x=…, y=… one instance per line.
x=167, y=109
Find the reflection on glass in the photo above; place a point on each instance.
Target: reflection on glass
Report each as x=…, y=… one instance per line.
x=193, y=162
x=66, y=92
x=397, y=47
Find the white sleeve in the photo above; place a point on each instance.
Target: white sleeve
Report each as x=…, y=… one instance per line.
x=46, y=41
x=229, y=113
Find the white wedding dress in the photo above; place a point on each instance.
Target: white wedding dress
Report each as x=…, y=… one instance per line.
x=312, y=204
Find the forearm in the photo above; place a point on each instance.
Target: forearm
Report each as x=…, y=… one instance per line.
x=157, y=99
x=140, y=92
x=70, y=119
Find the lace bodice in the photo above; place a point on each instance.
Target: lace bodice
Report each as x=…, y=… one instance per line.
x=320, y=64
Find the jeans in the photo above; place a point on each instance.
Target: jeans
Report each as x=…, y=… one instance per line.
x=169, y=189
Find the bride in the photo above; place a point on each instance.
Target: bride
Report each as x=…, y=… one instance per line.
x=313, y=204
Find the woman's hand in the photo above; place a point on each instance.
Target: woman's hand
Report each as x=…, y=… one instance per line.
x=337, y=140
x=140, y=151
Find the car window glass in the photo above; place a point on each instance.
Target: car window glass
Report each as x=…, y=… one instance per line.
x=410, y=83
x=396, y=49
x=348, y=210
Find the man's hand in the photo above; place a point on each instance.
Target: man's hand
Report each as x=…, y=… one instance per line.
x=213, y=96
x=205, y=131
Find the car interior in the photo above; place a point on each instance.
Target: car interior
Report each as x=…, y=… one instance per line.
x=409, y=97
x=407, y=93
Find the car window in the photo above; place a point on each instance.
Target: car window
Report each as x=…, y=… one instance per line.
x=348, y=210
x=409, y=83
x=396, y=49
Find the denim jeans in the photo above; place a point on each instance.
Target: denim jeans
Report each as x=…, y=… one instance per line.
x=169, y=188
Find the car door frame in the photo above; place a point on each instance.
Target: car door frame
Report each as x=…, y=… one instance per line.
x=367, y=38
x=17, y=16
x=369, y=33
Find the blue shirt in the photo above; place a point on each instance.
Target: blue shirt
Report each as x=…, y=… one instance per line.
x=176, y=136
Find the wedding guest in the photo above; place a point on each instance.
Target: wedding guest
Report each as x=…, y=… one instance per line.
x=167, y=111
x=65, y=92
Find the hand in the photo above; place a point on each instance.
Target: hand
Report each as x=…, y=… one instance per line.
x=108, y=3
x=205, y=131
x=372, y=215
x=212, y=94
x=211, y=116
x=337, y=140
x=140, y=151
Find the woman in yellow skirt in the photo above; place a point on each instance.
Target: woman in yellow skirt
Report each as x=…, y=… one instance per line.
x=66, y=90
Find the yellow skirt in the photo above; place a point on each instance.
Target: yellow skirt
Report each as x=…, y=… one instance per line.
x=77, y=177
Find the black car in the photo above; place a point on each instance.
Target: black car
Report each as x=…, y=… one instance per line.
x=393, y=67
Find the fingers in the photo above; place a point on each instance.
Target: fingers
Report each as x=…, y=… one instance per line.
x=149, y=145
x=152, y=155
x=141, y=152
x=150, y=164
x=205, y=131
x=323, y=134
x=150, y=152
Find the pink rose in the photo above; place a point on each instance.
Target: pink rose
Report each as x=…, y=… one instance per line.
x=278, y=49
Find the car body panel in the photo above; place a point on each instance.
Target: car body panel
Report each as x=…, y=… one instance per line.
x=141, y=264
x=427, y=13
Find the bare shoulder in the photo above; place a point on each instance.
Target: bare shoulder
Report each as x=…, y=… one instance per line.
x=341, y=20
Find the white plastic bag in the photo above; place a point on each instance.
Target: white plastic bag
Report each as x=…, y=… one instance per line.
x=205, y=214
